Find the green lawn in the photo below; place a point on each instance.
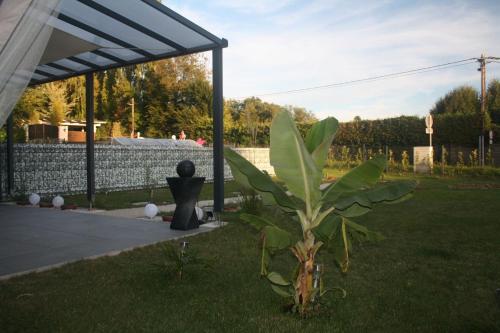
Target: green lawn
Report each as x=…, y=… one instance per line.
x=436, y=272
x=125, y=199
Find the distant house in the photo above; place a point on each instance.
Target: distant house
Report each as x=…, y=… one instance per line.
x=66, y=131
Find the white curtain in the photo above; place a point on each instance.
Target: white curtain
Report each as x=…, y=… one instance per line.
x=24, y=34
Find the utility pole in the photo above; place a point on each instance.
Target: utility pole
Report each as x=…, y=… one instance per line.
x=482, y=69
x=132, y=134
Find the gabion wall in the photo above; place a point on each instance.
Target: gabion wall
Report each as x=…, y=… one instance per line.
x=61, y=168
x=3, y=168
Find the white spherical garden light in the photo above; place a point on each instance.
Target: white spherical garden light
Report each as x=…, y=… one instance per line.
x=34, y=199
x=150, y=210
x=58, y=201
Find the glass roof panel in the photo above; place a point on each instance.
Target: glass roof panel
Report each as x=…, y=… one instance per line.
x=110, y=26
x=71, y=64
x=128, y=44
x=52, y=70
x=94, y=58
x=111, y=48
x=38, y=77
x=156, y=21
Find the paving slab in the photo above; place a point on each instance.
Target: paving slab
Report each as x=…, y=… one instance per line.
x=37, y=239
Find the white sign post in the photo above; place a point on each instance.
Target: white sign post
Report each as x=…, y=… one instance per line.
x=428, y=130
x=423, y=156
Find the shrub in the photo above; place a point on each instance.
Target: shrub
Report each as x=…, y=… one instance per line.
x=405, y=161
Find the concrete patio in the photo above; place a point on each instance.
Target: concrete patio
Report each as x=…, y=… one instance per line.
x=37, y=239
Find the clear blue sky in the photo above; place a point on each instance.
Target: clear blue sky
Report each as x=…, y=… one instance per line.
x=277, y=45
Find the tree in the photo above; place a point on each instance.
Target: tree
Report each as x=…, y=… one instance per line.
x=58, y=105
x=75, y=90
x=100, y=95
x=493, y=100
x=30, y=106
x=303, y=118
x=251, y=119
x=301, y=115
x=464, y=99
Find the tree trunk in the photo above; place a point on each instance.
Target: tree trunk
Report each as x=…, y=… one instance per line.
x=305, y=285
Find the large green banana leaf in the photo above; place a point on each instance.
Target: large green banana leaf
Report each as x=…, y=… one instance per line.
x=363, y=176
x=319, y=139
x=248, y=176
x=352, y=204
x=292, y=162
x=273, y=238
x=327, y=228
x=338, y=233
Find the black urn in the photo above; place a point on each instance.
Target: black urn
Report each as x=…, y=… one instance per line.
x=185, y=168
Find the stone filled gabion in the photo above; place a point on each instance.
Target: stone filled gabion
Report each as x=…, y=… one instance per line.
x=61, y=168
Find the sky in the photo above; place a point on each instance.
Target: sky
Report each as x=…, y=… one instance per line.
x=280, y=45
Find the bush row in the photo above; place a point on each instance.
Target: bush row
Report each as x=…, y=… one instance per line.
x=344, y=158
x=461, y=129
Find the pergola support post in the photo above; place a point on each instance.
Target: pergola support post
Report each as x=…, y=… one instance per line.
x=89, y=104
x=10, y=155
x=218, y=134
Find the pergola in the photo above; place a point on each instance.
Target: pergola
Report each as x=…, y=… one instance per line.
x=90, y=36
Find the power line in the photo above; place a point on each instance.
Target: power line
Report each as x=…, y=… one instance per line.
x=374, y=78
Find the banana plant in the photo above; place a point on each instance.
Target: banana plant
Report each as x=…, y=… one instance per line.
x=323, y=212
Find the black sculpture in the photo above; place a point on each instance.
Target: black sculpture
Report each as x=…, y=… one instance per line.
x=185, y=190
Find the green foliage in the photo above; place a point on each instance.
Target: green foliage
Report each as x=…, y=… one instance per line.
x=170, y=95
x=493, y=100
x=359, y=156
x=405, y=161
x=461, y=128
x=460, y=162
x=250, y=201
x=345, y=157
x=319, y=139
x=176, y=260
x=251, y=120
x=175, y=94
x=400, y=131
x=323, y=214
x=477, y=171
x=58, y=105
x=444, y=160
x=457, y=120
x=391, y=164
x=461, y=100
x=489, y=157
x=473, y=158
x=292, y=162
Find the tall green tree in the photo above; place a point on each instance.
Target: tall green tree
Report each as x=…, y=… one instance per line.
x=464, y=99
x=59, y=106
x=251, y=120
x=493, y=100
x=75, y=91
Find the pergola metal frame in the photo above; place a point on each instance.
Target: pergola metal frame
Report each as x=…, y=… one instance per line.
x=53, y=71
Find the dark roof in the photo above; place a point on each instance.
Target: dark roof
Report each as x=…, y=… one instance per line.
x=95, y=35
